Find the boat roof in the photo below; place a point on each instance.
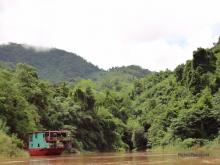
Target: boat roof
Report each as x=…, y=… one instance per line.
x=49, y=131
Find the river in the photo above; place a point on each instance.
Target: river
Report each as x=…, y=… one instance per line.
x=139, y=158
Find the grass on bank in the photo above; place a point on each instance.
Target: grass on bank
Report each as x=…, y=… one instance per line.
x=11, y=147
x=190, y=145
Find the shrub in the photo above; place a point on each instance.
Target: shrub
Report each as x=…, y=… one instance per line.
x=10, y=146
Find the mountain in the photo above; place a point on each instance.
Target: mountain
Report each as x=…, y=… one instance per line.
x=117, y=77
x=52, y=64
x=124, y=108
x=58, y=65
x=133, y=70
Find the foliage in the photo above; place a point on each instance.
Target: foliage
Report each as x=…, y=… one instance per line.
x=10, y=146
x=121, y=109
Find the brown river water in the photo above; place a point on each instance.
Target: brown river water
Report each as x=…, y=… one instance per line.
x=138, y=158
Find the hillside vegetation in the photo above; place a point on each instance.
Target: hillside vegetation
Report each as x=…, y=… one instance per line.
x=53, y=64
x=58, y=65
x=111, y=113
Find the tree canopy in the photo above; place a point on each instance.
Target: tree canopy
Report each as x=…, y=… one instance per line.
x=117, y=111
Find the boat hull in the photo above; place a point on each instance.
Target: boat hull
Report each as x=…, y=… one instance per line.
x=45, y=151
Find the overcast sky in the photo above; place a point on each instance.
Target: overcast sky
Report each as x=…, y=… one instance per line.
x=155, y=34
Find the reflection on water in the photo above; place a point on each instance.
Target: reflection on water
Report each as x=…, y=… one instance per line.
x=115, y=159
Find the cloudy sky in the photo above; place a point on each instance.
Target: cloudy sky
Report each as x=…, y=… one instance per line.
x=155, y=34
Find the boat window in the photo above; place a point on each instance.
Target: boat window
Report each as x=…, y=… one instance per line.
x=63, y=134
x=30, y=138
x=36, y=136
x=58, y=135
x=53, y=135
x=38, y=145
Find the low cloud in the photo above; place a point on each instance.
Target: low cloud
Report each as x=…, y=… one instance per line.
x=154, y=34
x=36, y=48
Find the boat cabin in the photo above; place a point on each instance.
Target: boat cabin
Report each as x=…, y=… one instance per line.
x=48, y=139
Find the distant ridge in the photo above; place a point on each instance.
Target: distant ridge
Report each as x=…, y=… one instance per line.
x=52, y=64
x=133, y=70
x=58, y=65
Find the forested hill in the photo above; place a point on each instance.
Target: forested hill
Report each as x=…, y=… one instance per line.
x=164, y=109
x=133, y=70
x=52, y=64
x=58, y=65
x=118, y=78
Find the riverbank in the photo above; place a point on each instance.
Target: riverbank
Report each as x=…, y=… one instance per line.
x=211, y=147
x=10, y=147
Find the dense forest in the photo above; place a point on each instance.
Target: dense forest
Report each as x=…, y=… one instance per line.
x=116, y=111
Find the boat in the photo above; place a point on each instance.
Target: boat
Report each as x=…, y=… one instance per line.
x=48, y=142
